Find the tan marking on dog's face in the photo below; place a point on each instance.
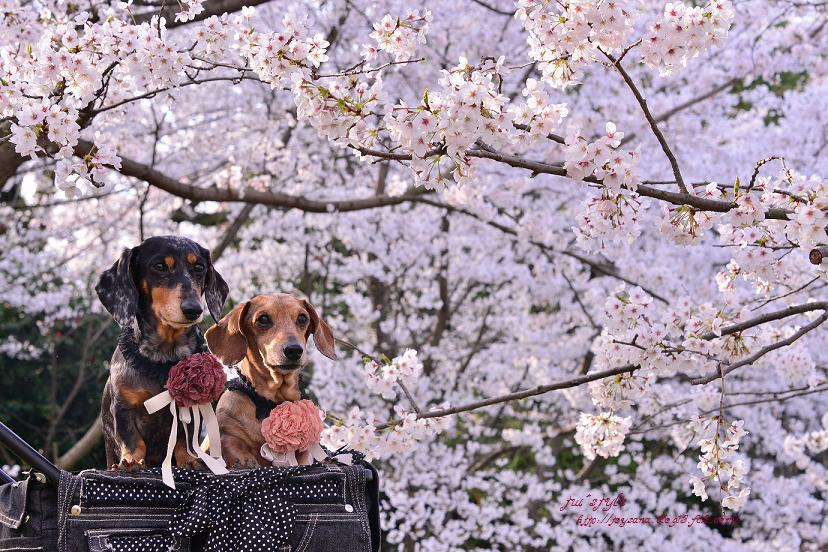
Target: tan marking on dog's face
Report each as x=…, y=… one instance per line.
x=169, y=260
x=274, y=321
x=166, y=304
x=192, y=258
x=145, y=286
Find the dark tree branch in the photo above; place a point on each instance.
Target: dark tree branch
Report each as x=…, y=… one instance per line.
x=272, y=199
x=211, y=8
x=650, y=119
x=768, y=317
x=523, y=394
x=232, y=231
x=761, y=352
x=539, y=167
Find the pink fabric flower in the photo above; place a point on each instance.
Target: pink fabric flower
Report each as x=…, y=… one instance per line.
x=198, y=379
x=292, y=426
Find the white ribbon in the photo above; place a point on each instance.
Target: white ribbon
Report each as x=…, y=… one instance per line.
x=194, y=413
x=278, y=459
x=345, y=458
x=287, y=459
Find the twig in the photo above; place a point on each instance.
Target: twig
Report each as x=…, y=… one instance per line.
x=493, y=9
x=410, y=398
x=653, y=124
x=732, y=405
x=577, y=297
x=359, y=71
x=523, y=394
x=797, y=290
x=768, y=317
x=761, y=352
x=764, y=161
x=404, y=388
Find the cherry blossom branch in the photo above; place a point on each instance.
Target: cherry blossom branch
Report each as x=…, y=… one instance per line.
x=777, y=397
x=765, y=161
x=410, y=398
x=676, y=198
x=211, y=8
x=522, y=394
x=768, y=317
x=249, y=195
x=359, y=70
x=761, y=352
x=653, y=124
x=539, y=167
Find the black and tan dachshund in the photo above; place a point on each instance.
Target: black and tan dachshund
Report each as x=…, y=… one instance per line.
x=154, y=293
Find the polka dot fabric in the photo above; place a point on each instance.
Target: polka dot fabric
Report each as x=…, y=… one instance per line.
x=152, y=543
x=133, y=491
x=244, y=511
x=253, y=512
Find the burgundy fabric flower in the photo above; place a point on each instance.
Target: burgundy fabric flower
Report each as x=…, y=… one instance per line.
x=292, y=426
x=198, y=379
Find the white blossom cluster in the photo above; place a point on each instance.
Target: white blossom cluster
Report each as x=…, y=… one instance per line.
x=382, y=378
x=602, y=434
x=683, y=32
x=467, y=109
x=358, y=431
x=399, y=36
x=562, y=36
x=803, y=450
x=718, y=462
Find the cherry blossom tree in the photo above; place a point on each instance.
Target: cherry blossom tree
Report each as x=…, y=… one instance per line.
x=568, y=248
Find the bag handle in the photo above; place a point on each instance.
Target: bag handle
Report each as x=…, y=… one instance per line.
x=26, y=453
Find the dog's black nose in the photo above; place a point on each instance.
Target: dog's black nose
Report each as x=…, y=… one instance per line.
x=293, y=351
x=191, y=310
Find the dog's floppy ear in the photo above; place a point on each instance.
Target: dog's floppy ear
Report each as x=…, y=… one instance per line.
x=116, y=290
x=215, y=288
x=226, y=339
x=322, y=335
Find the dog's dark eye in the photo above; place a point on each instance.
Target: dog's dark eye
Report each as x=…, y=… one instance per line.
x=264, y=321
x=199, y=268
x=302, y=319
x=161, y=267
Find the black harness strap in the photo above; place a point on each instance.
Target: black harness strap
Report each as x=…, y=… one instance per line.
x=243, y=385
x=263, y=405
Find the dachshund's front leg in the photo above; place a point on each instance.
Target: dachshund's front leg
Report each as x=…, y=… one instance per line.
x=238, y=455
x=183, y=459
x=132, y=450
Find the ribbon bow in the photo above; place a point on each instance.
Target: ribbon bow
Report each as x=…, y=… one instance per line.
x=251, y=511
x=192, y=385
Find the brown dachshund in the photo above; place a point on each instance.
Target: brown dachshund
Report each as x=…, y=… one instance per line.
x=266, y=339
